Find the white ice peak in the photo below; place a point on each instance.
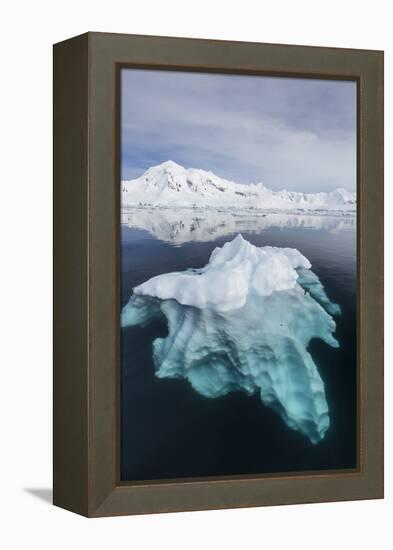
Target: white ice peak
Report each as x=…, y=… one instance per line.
x=233, y=272
x=172, y=185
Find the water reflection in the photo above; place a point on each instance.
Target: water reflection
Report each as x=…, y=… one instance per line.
x=179, y=226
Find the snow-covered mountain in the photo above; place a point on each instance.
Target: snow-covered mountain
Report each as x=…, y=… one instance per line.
x=171, y=185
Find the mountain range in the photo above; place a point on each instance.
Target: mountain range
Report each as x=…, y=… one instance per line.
x=170, y=185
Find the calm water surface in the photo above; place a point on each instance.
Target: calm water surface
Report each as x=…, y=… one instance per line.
x=168, y=430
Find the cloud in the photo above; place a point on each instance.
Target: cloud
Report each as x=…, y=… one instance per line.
x=298, y=134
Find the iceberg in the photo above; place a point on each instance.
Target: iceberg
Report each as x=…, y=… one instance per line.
x=243, y=323
x=233, y=271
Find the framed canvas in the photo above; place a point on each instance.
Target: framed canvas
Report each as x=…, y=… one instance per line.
x=218, y=287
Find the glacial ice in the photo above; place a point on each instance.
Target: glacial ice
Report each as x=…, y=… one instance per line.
x=233, y=271
x=244, y=323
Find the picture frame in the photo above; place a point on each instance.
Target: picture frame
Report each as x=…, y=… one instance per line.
x=86, y=386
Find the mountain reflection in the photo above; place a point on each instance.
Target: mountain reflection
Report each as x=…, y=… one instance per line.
x=179, y=226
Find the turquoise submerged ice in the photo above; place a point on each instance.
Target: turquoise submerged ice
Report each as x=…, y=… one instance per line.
x=244, y=323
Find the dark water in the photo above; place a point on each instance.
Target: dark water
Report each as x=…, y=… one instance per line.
x=168, y=430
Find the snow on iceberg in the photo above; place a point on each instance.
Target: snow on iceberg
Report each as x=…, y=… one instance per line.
x=233, y=271
x=243, y=323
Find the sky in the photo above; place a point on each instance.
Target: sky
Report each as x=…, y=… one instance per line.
x=297, y=134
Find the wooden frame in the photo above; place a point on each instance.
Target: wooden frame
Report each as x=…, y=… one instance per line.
x=86, y=274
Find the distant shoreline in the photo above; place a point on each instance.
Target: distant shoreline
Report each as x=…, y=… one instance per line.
x=236, y=211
